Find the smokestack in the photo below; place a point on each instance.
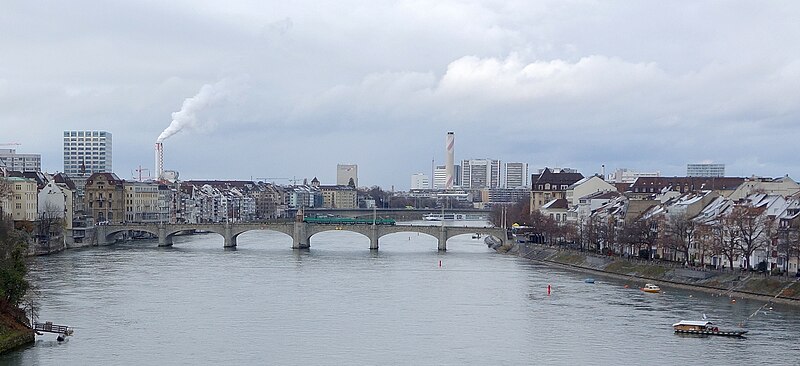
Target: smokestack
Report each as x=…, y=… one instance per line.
x=159, y=161
x=449, y=167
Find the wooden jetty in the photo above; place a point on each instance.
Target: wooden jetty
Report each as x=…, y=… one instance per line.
x=49, y=327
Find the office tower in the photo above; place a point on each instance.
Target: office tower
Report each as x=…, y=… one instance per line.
x=87, y=152
x=516, y=175
x=480, y=173
x=419, y=181
x=705, y=170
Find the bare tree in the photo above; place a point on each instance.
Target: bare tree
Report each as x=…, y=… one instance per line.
x=704, y=241
x=726, y=239
x=5, y=193
x=639, y=234
x=680, y=234
x=753, y=226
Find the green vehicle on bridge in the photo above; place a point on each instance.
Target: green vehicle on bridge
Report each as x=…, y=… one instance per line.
x=347, y=221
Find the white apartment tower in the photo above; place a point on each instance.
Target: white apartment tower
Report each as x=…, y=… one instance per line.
x=87, y=152
x=345, y=172
x=516, y=175
x=480, y=173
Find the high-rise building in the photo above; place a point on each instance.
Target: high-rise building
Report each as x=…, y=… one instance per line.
x=20, y=162
x=705, y=170
x=345, y=172
x=87, y=152
x=516, y=175
x=480, y=173
x=420, y=181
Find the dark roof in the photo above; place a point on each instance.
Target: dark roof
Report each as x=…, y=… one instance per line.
x=559, y=203
x=110, y=177
x=39, y=177
x=62, y=178
x=685, y=184
x=548, y=176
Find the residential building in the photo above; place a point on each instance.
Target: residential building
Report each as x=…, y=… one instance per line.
x=516, y=175
x=87, y=152
x=20, y=162
x=339, y=196
x=585, y=187
x=556, y=209
x=142, y=202
x=705, y=170
x=346, y=172
x=420, y=181
x=55, y=201
x=783, y=186
x=549, y=185
x=480, y=173
x=104, y=196
x=23, y=202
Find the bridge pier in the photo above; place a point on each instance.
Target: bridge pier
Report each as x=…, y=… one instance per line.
x=300, y=239
x=230, y=239
x=163, y=239
x=443, y=239
x=373, y=238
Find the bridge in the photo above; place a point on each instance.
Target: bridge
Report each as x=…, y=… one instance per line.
x=300, y=232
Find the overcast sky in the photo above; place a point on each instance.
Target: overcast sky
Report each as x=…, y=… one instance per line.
x=295, y=87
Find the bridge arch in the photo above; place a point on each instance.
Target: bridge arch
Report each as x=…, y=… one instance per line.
x=110, y=235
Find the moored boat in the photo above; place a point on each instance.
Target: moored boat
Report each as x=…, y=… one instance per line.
x=704, y=327
x=651, y=288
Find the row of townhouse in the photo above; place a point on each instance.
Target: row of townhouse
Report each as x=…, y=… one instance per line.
x=681, y=218
x=739, y=226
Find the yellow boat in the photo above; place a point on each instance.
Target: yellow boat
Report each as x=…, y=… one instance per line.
x=651, y=288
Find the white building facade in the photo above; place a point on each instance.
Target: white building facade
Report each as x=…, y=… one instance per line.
x=87, y=152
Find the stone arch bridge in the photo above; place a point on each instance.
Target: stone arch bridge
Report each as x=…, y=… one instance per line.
x=301, y=232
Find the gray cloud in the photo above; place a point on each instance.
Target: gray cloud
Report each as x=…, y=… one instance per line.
x=639, y=85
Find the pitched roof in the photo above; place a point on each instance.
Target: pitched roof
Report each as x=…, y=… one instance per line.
x=560, y=178
x=558, y=203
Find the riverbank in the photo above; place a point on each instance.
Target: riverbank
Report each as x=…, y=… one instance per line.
x=13, y=333
x=725, y=283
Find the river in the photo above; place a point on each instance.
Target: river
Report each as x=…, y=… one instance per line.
x=339, y=303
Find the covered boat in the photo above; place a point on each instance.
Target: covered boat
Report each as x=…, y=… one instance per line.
x=704, y=327
x=651, y=288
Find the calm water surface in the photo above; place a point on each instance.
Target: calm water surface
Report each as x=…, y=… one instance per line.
x=339, y=303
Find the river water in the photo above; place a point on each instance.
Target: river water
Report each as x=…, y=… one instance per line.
x=339, y=303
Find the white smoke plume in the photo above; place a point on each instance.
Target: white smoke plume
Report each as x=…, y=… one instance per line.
x=189, y=115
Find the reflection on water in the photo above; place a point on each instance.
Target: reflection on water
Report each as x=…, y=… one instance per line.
x=340, y=303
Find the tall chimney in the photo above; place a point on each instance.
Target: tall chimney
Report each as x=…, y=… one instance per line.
x=449, y=167
x=159, y=161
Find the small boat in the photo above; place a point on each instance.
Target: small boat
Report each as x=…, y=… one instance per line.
x=651, y=288
x=589, y=280
x=704, y=327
